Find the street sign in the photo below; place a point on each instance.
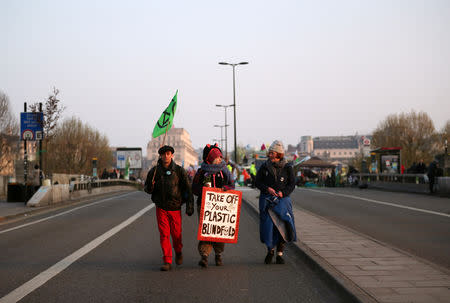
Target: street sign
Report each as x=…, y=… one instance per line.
x=132, y=154
x=31, y=126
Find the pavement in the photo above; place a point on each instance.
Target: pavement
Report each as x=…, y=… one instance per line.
x=13, y=209
x=368, y=269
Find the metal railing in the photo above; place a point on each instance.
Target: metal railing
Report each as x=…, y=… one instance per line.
x=392, y=178
x=90, y=183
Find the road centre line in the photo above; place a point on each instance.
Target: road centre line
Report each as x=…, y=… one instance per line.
x=60, y=214
x=383, y=203
x=42, y=278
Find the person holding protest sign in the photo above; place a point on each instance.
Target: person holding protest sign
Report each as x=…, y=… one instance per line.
x=169, y=186
x=276, y=181
x=212, y=173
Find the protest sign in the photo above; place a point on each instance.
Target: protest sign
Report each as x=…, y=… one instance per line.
x=219, y=215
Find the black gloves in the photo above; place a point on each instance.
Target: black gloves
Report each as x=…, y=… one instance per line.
x=148, y=189
x=189, y=210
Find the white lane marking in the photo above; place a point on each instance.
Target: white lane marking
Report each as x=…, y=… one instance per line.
x=384, y=203
x=60, y=214
x=22, y=291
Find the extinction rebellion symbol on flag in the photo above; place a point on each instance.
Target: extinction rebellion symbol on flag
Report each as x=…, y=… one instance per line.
x=165, y=122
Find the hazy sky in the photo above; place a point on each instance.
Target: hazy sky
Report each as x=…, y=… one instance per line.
x=316, y=67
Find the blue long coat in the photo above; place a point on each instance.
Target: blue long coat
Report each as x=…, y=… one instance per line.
x=276, y=220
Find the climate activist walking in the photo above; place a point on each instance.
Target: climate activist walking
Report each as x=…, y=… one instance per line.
x=276, y=181
x=169, y=186
x=218, y=206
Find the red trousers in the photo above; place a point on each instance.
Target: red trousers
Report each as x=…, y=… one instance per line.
x=169, y=224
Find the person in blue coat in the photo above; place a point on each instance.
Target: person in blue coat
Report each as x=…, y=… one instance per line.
x=276, y=181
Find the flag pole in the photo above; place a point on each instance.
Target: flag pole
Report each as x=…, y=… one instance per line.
x=156, y=166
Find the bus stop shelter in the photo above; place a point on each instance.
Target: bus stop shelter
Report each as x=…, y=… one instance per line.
x=386, y=160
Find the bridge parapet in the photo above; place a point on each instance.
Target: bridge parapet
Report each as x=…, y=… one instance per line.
x=415, y=183
x=91, y=184
x=396, y=178
x=58, y=193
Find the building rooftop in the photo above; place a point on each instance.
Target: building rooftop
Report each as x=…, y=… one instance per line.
x=336, y=144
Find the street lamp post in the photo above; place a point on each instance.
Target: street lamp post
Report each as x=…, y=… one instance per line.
x=226, y=125
x=221, y=134
x=234, y=103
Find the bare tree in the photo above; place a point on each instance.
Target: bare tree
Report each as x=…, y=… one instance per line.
x=52, y=109
x=413, y=132
x=9, y=130
x=73, y=146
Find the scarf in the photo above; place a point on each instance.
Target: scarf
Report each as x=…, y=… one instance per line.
x=215, y=168
x=274, y=167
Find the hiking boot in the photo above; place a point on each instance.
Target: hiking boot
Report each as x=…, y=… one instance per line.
x=203, y=262
x=179, y=259
x=280, y=260
x=166, y=267
x=269, y=257
x=219, y=260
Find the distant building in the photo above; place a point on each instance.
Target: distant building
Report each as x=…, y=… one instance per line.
x=179, y=138
x=333, y=148
x=306, y=145
x=337, y=148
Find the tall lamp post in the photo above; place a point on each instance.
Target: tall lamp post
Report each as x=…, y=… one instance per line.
x=234, y=103
x=226, y=125
x=221, y=134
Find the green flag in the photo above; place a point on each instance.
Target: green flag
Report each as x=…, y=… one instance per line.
x=166, y=120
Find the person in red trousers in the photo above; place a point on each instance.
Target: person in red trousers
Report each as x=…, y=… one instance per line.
x=170, y=188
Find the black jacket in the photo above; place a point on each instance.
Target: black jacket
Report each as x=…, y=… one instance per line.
x=284, y=181
x=220, y=179
x=171, y=189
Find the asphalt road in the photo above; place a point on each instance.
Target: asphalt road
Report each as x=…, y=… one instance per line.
x=96, y=253
x=416, y=223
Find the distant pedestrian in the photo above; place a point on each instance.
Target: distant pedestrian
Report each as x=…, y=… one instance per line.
x=170, y=188
x=105, y=174
x=212, y=173
x=421, y=168
x=276, y=181
x=253, y=174
x=413, y=168
x=431, y=173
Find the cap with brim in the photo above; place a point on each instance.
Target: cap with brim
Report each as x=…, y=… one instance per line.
x=165, y=149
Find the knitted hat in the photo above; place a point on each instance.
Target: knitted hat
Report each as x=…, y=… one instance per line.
x=208, y=148
x=213, y=154
x=166, y=148
x=277, y=146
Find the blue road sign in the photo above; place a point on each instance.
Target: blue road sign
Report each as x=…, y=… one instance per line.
x=31, y=126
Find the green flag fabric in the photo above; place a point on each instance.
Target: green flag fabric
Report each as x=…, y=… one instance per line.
x=166, y=120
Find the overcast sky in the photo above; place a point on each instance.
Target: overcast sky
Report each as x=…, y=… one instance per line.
x=315, y=67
